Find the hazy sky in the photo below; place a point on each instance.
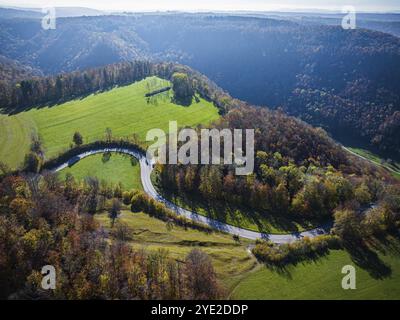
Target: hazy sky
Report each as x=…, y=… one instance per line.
x=191, y=5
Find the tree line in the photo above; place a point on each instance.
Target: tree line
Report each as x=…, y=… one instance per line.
x=299, y=172
x=39, y=91
x=357, y=233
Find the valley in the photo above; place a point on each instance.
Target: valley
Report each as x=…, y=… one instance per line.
x=79, y=192
x=291, y=60
x=391, y=165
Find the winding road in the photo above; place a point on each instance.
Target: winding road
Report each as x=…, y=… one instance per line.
x=369, y=160
x=146, y=167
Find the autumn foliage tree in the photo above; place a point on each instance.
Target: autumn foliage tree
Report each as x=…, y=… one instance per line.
x=201, y=277
x=40, y=226
x=182, y=87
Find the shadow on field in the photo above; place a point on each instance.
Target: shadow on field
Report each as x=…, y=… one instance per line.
x=238, y=216
x=360, y=254
x=284, y=269
x=24, y=108
x=386, y=245
x=364, y=257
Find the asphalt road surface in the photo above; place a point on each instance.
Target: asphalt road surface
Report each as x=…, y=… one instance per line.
x=146, y=167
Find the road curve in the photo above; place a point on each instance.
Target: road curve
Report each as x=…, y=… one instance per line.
x=146, y=167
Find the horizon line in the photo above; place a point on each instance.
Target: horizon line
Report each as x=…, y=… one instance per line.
x=277, y=10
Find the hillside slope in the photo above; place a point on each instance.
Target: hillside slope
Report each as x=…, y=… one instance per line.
x=125, y=110
x=344, y=81
x=13, y=71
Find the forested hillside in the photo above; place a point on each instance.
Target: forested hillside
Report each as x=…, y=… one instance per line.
x=344, y=81
x=300, y=174
x=42, y=222
x=384, y=22
x=12, y=71
x=302, y=179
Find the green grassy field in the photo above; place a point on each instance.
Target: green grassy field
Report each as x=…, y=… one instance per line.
x=393, y=167
x=230, y=258
x=244, y=278
x=118, y=168
x=319, y=280
x=125, y=110
x=15, y=137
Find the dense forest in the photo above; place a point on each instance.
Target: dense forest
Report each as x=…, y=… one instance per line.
x=300, y=173
x=12, y=71
x=43, y=221
x=345, y=81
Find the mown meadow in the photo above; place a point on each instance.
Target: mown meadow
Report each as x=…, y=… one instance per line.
x=125, y=110
x=112, y=168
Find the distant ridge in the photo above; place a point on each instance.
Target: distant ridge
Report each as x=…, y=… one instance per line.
x=60, y=11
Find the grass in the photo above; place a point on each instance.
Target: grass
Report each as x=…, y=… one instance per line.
x=125, y=110
x=15, y=137
x=393, y=167
x=320, y=280
x=240, y=217
x=116, y=169
x=230, y=258
x=244, y=278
